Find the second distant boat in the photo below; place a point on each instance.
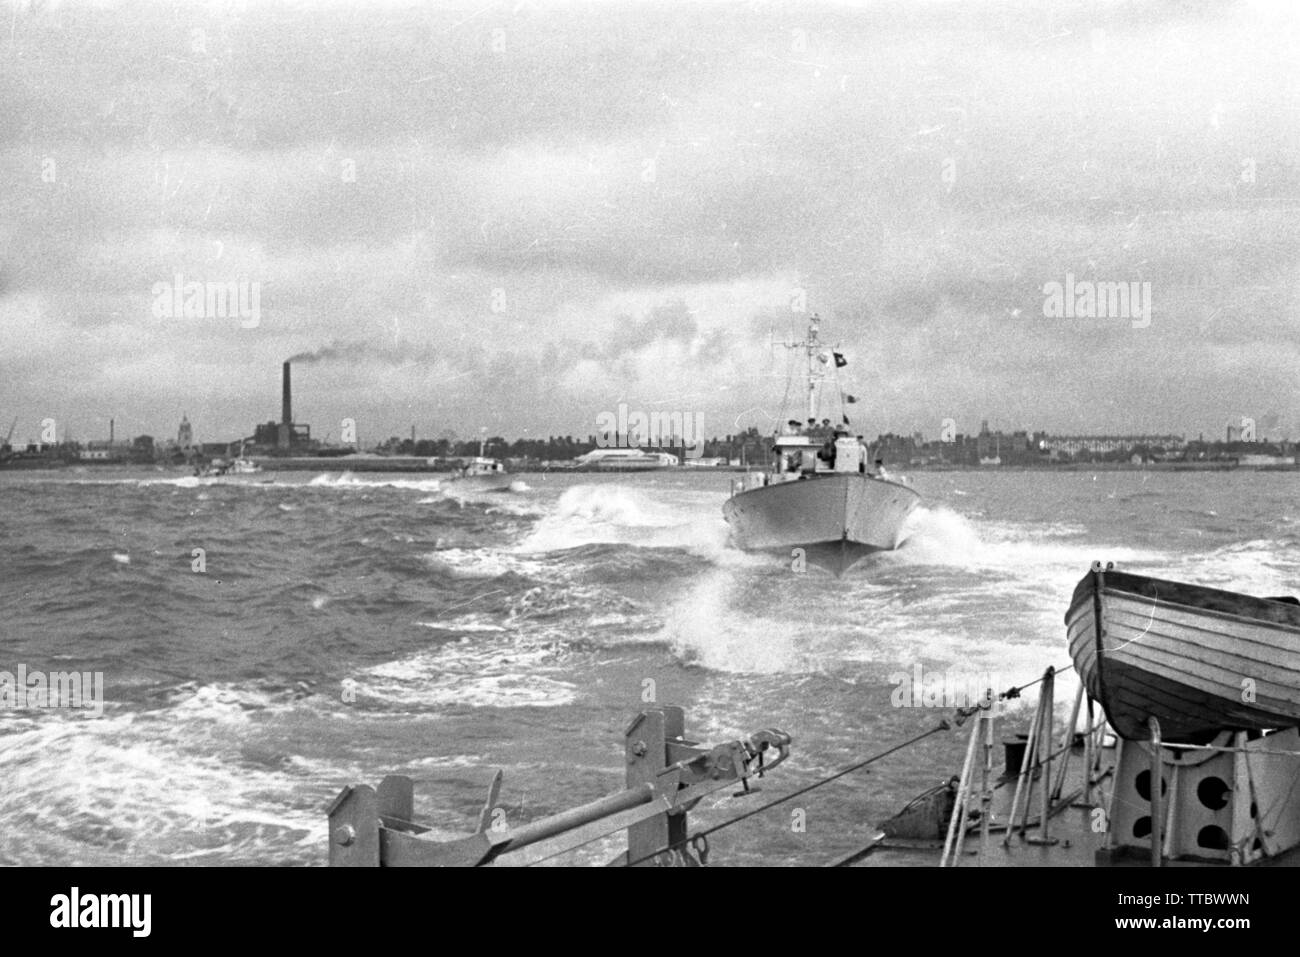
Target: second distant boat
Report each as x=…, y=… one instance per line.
x=483, y=474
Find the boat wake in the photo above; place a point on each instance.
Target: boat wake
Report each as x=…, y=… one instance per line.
x=349, y=480
x=708, y=627
x=617, y=514
x=939, y=536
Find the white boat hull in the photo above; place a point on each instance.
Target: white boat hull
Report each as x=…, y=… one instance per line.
x=482, y=483
x=836, y=519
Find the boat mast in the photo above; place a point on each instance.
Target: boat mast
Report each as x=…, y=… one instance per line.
x=811, y=348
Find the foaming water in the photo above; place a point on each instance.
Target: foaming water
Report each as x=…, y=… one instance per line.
x=940, y=536
x=470, y=673
x=1257, y=566
x=183, y=784
x=470, y=563
x=706, y=628
x=628, y=515
x=341, y=627
x=349, y=480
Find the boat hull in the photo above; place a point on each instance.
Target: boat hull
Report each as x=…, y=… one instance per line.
x=1199, y=660
x=482, y=483
x=836, y=519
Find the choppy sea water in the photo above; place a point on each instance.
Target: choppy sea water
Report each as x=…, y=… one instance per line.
x=347, y=627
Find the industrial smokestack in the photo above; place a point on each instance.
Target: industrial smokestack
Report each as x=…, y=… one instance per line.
x=286, y=412
x=284, y=439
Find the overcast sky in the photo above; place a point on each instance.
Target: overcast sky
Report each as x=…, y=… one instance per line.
x=518, y=215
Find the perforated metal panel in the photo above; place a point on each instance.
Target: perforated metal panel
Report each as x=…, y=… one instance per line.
x=1232, y=807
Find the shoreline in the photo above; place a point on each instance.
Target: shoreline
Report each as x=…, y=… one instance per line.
x=398, y=465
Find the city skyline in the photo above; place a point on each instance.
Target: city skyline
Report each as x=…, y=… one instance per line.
x=945, y=432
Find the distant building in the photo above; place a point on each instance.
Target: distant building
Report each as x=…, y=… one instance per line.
x=142, y=449
x=1103, y=444
x=994, y=445
x=997, y=448
x=185, y=435
x=1266, y=461
x=101, y=451
x=627, y=459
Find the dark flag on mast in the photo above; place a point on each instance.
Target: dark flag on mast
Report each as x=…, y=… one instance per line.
x=840, y=361
x=850, y=399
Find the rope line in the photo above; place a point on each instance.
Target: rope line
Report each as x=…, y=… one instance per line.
x=1014, y=692
x=942, y=726
x=961, y=715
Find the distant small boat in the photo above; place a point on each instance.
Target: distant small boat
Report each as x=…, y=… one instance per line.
x=219, y=468
x=483, y=473
x=243, y=466
x=1197, y=659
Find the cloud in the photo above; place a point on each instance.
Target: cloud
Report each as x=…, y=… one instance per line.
x=589, y=202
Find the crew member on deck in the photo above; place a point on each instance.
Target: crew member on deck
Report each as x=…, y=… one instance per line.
x=827, y=453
